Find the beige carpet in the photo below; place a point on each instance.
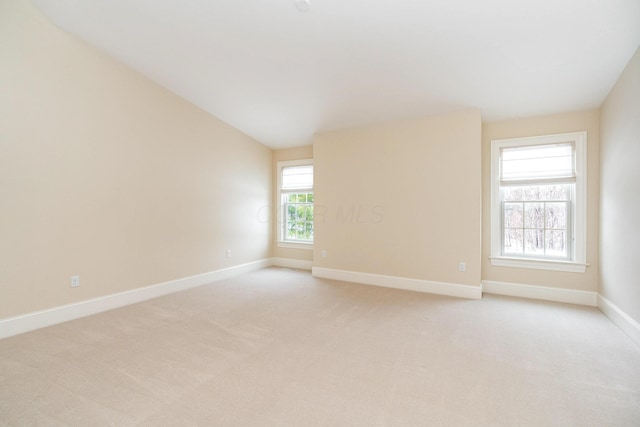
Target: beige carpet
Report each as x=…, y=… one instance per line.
x=280, y=348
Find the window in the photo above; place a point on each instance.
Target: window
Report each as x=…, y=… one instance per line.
x=538, y=199
x=295, y=195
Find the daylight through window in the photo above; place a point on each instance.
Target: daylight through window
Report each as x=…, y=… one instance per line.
x=538, y=200
x=296, y=198
x=536, y=184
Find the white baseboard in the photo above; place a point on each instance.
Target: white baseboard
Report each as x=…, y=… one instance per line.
x=31, y=321
x=620, y=318
x=540, y=292
x=292, y=263
x=450, y=289
x=40, y=319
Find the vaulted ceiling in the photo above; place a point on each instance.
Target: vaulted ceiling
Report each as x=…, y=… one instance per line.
x=280, y=75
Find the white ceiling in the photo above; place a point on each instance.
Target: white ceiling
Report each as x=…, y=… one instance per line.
x=280, y=75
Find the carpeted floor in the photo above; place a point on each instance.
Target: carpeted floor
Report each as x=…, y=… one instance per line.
x=279, y=348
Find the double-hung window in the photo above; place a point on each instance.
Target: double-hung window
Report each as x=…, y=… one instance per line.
x=295, y=195
x=538, y=200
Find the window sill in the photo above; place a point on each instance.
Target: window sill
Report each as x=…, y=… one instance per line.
x=295, y=245
x=538, y=264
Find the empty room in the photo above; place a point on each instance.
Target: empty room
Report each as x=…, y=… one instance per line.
x=319, y=213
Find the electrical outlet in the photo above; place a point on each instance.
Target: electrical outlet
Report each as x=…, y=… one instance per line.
x=228, y=253
x=462, y=267
x=75, y=281
x=324, y=253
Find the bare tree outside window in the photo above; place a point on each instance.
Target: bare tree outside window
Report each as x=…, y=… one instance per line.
x=538, y=202
x=536, y=220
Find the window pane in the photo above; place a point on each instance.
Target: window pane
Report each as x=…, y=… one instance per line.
x=513, y=215
x=557, y=243
x=299, y=216
x=536, y=193
x=291, y=233
x=513, y=241
x=556, y=215
x=532, y=193
x=555, y=192
x=513, y=194
x=534, y=242
x=531, y=216
x=534, y=215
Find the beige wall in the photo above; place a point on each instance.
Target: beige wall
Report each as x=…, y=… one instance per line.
x=401, y=198
x=620, y=192
x=107, y=175
x=534, y=126
x=296, y=153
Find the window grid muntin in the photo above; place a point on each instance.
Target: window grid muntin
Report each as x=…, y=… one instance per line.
x=568, y=230
x=299, y=224
x=578, y=262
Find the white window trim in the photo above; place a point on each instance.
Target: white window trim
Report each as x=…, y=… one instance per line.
x=280, y=242
x=295, y=245
x=578, y=263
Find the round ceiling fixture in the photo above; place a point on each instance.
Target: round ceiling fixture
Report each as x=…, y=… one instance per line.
x=303, y=5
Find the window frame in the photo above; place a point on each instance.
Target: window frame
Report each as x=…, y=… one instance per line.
x=577, y=219
x=281, y=233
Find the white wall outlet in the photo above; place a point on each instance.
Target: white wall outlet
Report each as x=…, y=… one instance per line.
x=75, y=281
x=462, y=267
x=324, y=253
x=228, y=253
